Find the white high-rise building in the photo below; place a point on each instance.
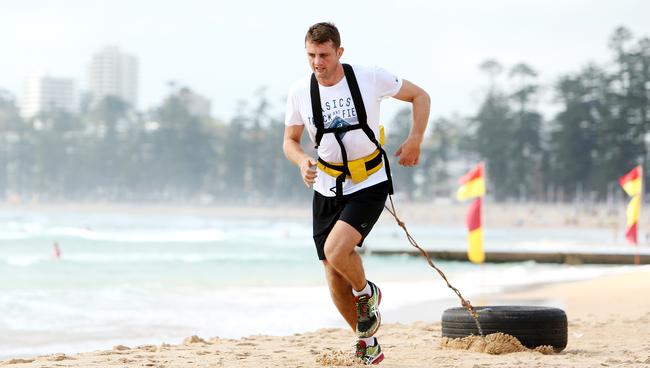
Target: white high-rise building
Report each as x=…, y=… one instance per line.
x=46, y=94
x=114, y=73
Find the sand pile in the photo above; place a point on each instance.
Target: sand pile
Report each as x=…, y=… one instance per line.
x=337, y=358
x=194, y=340
x=496, y=343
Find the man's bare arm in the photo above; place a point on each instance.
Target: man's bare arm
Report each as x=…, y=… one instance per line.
x=409, y=151
x=294, y=153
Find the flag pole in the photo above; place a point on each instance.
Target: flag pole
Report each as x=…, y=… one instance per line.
x=480, y=214
x=484, y=197
x=637, y=256
x=482, y=225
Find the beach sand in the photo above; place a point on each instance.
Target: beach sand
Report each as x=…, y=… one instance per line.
x=609, y=326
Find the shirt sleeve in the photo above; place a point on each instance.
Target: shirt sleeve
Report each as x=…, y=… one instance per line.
x=387, y=83
x=292, y=114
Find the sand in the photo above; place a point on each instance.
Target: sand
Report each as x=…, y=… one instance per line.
x=609, y=326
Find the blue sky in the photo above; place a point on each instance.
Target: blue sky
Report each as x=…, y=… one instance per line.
x=227, y=50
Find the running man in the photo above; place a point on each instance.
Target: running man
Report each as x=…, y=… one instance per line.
x=339, y=104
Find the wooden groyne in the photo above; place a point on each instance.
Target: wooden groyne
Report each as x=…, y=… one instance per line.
x=551, y=257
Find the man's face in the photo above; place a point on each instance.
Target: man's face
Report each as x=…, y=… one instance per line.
x=323, y=58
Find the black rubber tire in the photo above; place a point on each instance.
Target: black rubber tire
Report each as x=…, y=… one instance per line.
x=533, y=326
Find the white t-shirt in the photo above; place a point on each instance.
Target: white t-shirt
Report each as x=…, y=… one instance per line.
x=338, y=108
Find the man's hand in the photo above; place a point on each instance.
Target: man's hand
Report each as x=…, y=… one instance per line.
x=308, y=171
x=409, y=152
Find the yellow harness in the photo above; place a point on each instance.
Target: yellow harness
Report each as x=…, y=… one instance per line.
x=360, y=169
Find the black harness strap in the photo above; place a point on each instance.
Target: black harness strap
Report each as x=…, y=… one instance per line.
x=358, y=103
x=363, y=118
x=316, y=109
x=341, y=178
x=317, y=113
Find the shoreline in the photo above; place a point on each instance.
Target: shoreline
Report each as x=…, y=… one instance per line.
x=442, y=213
x=404, y=306
x=609, y=325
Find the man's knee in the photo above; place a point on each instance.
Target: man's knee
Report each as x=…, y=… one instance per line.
x=337, y=252
x=332, y=250
x=341, y=242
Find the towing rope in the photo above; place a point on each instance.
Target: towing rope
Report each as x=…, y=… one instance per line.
x=464, y=302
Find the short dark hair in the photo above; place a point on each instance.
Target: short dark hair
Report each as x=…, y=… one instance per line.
x=323, y=32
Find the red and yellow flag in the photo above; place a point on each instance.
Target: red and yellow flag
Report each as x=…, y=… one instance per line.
x=472, y=185
x=475, y=251
x=633, y=210
x=632, y=183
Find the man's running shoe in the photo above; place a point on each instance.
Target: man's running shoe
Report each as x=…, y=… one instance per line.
x=368, y=317
x=369, y=354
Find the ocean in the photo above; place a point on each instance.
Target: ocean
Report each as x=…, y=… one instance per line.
x=147, y=278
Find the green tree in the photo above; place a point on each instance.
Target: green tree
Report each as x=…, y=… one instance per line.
x=492, y=68
x=525, y=147
x=621, y=133
x=55, y=163
x=494, y=129
x=183, y=151
x=494, y=142
x=438, y=149
x=259, y=171
x=236, y=154
x=10, y=123
x=574, y=138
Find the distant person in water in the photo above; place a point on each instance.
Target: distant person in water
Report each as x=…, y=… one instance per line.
x=56, y=251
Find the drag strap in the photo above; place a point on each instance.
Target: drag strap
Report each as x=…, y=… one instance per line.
x=464, y=302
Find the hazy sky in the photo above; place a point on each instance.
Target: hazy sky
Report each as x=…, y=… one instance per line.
x=227, y=50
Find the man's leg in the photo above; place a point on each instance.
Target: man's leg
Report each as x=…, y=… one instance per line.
x=344, y=271
x=341, y=293
x=341, y=255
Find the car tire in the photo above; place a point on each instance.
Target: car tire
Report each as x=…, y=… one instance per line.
x=532, y=325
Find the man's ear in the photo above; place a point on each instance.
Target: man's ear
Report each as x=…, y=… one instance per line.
x=339, y=52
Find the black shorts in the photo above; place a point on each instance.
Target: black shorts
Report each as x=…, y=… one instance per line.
x=360, y=209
